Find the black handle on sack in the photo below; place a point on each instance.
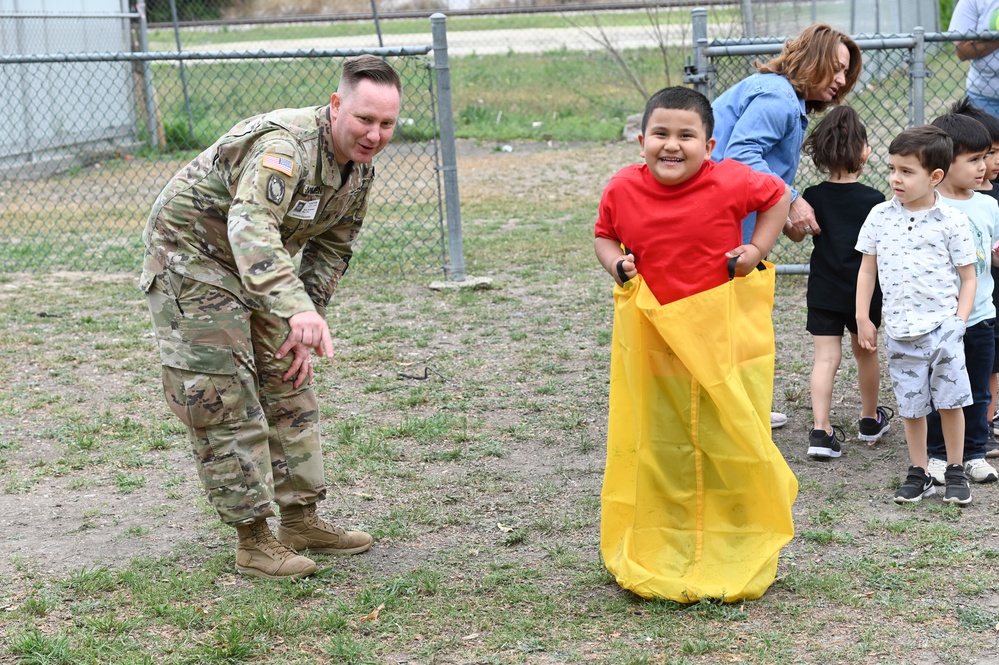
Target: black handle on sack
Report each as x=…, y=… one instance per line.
x=620, y=271
x=620, y=266
x=731, y=267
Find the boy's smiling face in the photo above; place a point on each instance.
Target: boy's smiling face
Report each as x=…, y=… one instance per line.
x=675, y=145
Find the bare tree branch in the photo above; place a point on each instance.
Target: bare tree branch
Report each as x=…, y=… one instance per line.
x=652, y=11
x=605, y=41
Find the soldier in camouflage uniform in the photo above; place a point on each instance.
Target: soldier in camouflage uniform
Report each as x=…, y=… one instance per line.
x=236, y=323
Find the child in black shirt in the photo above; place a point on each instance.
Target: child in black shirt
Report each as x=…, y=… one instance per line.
x=839, y=147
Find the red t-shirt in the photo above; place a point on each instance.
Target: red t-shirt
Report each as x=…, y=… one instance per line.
x=679, y=234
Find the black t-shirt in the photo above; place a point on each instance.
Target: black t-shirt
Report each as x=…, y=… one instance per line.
x=840, y=209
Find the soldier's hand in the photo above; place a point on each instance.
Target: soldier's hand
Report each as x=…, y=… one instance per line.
x=301, y=366
x=310, y=330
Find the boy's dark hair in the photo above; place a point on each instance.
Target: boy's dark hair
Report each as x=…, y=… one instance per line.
x=968, y=135
x=683, y=99
x=836, y=145
x=966, y=107
x=367, y=68
x=931, y=145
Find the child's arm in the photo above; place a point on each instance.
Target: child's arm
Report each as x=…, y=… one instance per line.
x=966, y=296
x=769, y=224
x=867, y=333
x=610, y=257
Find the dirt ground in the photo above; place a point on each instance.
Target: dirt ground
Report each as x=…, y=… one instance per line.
x=61, y=525
x=65, y=523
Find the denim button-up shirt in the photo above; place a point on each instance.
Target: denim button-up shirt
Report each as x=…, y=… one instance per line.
x=761, y=122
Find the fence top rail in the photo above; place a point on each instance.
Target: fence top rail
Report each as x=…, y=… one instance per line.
x=6, y=15
x=764, y=47
x=954, y=36
x=41, y=58
x=768, y=45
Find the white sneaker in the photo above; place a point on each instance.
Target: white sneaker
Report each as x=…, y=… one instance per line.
x=936, y=469
x=980, y=471
x=777, y=420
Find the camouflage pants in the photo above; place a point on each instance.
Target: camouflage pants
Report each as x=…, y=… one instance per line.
x=255, y=437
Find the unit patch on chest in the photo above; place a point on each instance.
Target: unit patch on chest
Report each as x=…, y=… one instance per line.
x=275, y=190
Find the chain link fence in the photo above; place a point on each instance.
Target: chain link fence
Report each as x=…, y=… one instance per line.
x=854, y=17
x=907, y=79
x=540, y=29
x=88, y=139
x=241, y=14
x=90, y=132
x=540, y=25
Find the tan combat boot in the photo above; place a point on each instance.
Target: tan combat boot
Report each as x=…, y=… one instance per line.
x=301, y=529
x=259, y=554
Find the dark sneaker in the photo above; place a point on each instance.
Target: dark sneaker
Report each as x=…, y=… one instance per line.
x=917, y=485
x=958, y=490
x=872, y=429
x=824, y=445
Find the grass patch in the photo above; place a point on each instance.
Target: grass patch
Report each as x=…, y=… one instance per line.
x=481, y=482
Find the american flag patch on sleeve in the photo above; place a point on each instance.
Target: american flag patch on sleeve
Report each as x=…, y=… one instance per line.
x=278, y=163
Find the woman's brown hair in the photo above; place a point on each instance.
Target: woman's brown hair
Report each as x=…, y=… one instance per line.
x=810, y=60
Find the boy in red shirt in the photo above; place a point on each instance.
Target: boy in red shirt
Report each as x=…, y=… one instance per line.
x=696, y=500
x=680, y=214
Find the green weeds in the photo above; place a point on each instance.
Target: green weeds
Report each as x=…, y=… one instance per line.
x=480, y=481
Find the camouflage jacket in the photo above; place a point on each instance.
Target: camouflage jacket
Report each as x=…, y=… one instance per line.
x=237, y=214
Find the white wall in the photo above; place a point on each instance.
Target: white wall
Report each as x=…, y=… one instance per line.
x=57, y=111
x=855, y=17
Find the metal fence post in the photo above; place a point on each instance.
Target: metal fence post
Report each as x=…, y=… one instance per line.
x=747, y=19
x=378, y=23
x=149, y=94
x=449, y=161
x=696, y=71
x=918, y=76
x=183, y=74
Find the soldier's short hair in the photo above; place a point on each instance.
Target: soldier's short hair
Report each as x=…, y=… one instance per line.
x=369, y=68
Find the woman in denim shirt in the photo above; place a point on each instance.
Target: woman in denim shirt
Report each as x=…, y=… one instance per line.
x=761, y=120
